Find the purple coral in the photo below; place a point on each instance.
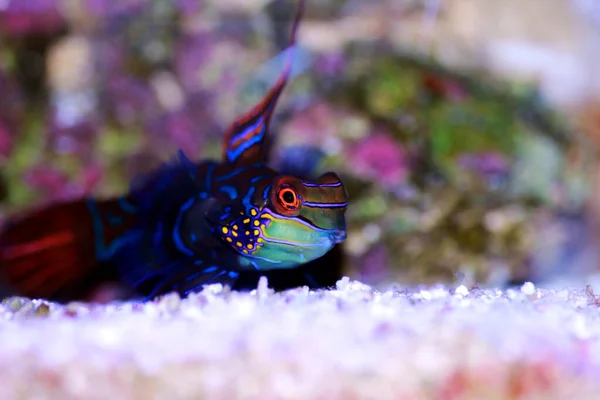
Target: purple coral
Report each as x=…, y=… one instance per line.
x=313, y=126
x=330, y=64
x=191, y=54
x=103, y=9
x=48, y=180
x=23, y=17
x=129, y=100
x=485, y=163
x=188, y=7
x=379, y=156
x=184, y=128
x=11, y=113
x=375, y=264
x=76, y=139
x=55, y=185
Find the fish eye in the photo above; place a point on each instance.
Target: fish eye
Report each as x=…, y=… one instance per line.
x=288, y=198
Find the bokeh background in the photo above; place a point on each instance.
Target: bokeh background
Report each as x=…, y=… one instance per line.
x=466, y=131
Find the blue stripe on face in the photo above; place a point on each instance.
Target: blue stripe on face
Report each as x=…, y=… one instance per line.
x=254, y=139
x=176, y=235
x=324, y=205
x=322, y=184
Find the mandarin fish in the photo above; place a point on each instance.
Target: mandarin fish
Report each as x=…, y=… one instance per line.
x=187, y=223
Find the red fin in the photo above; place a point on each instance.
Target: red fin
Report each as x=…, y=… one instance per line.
x=51, y=252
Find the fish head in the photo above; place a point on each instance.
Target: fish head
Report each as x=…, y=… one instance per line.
x=296, y=221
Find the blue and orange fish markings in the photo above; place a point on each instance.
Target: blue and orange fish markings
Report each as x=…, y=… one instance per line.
x=244, y=140
x=188, y=224
x=252, y=135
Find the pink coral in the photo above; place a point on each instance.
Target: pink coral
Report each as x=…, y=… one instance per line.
x=47, y=179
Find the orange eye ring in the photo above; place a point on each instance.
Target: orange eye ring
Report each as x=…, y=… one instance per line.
x=288, y=198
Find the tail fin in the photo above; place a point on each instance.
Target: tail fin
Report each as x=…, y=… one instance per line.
x=53, y=252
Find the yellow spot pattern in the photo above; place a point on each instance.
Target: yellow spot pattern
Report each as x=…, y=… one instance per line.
x=247, y=220
x=225, y=230
x=253, y=212
x=238, y=244
x=229, y=239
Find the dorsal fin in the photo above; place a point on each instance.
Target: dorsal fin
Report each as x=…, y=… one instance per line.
x=245, y=138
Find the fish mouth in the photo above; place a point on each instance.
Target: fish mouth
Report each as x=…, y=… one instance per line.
x=338, y=236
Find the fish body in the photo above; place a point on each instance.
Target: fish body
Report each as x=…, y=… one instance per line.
x=207, y=223
x=185, y=224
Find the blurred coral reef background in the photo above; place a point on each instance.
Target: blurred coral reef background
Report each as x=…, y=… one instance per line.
x=465, y=130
